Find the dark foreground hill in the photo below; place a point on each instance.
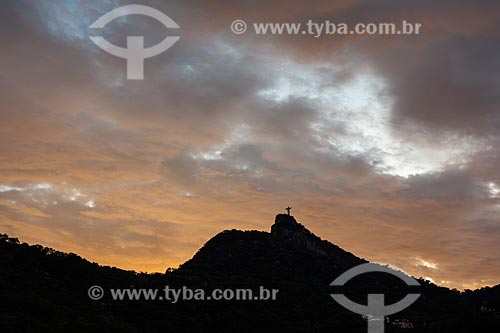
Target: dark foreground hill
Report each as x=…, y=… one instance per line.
x=43, y=290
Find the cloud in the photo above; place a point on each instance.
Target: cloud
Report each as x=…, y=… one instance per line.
x=385, y=145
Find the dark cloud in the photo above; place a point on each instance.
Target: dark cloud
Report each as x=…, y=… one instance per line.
x=449, y=185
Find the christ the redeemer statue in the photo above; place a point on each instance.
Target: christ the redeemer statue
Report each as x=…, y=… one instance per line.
x=288, y=209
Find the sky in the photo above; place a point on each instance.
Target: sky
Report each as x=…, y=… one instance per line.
x=388, y=146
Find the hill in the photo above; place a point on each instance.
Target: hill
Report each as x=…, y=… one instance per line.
x=45, y=290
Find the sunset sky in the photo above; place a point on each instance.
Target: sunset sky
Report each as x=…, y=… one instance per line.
x=388, y=146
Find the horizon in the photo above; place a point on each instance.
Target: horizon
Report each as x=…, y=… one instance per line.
x=393, y=267
x=386, y=145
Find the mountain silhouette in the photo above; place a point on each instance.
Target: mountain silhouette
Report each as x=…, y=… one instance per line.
x=46, y=290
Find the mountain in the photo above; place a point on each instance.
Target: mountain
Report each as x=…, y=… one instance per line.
x=46, y=290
